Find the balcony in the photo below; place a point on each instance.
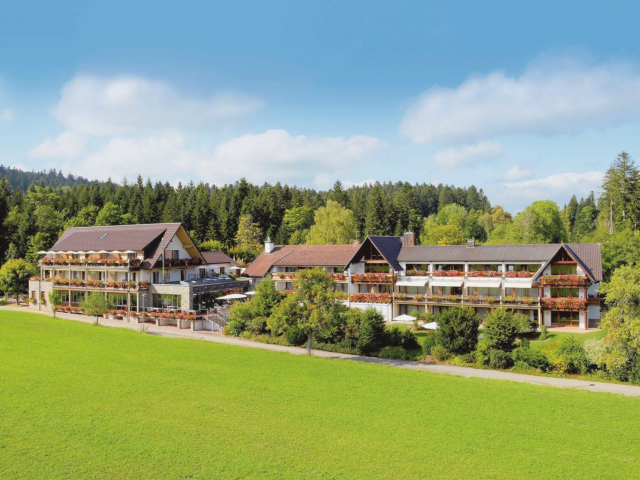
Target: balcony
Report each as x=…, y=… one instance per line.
x=370, y=297
x=132, y=264
x=448, y=273
x=289, y=276
x=444, y=298
x=404, y=297
x=480, y=300
x=524, y=301
x=376, y=278
x=565, y=303
x=564, y=280
x=100, y=285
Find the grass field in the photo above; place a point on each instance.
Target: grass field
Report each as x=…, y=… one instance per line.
x=79, y=401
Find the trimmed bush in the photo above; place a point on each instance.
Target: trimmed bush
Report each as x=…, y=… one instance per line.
x=430, y=341
x=409, y=341
x=394, y=337
x=501, y=328
x=235, y=328
x=458, y=330
x=373, y=333
x=569, y=357
x=500, y=360
x=544, y=332
x=532, y=358
x=226, y=330
x=399, y=353
x=440, y=353
x=295, y=336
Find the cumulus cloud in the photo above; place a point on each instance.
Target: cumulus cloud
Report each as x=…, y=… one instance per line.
x=6, y=115
x=130, y=104
x=277, y=155
x=362, y=183
x=558, y=184
x=468, y=154
x=268, y=157
x=516, y=173
x=64, y=146
x=550, y=97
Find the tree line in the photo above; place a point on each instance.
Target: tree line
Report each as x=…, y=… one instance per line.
x=237, y=218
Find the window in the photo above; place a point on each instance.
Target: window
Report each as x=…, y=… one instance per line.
x=33, y=294
x=166, y=300
x=155, y=277
x=418, y=266
x=131, y=256
x=101, y=276
x=485, y=268
x=376, y=268
x=221, y=269
x=565, y=292
x=171, y=254
x=183, y=275
x=564, y=269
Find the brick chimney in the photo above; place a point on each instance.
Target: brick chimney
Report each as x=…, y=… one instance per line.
x=409, y=239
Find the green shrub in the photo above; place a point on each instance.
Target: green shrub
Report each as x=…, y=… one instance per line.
x=525, y=344
x=532, y=358
x=544, y=332
x=235, y=328
x=458, y=330
x=500, y=360
x=394, y=337
x=430, y=341
x=257, y=325
x=522, y=366
x=330, y=347
x=569, y=357
x=501, y=328
x=373, y=334
x=595, y=350
x=394, y=352
x=245, y=334
x=295, y=336
x=464, y=360
x=440, y=353
x=525, y=323
x=409, y=341
x=226, y=330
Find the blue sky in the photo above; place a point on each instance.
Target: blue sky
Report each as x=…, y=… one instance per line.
x=525, y=101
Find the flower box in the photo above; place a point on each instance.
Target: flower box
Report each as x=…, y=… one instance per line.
x=372, y=278
x=485, y=273
x=570, y=280
x=565, y=303
x=370, y=297
x=417, y=273
x=518, y=274
x=447, y=273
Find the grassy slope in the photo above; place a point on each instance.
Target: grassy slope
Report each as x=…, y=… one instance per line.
x=83, y=401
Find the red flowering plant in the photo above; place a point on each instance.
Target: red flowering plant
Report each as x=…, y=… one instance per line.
x=565, y=303
x=417, y=273
x=372, y=278
x=337, y=276
x=447, y=273
x=134, y=262
x=46, y=261
x=484, y=273
x=61, y=282
x=144, y=284
x=419, y=298
x=34, y=277
x=400, y=296
x=371, y=297
x=120, y=312
x=564, y=280
x=521, y=274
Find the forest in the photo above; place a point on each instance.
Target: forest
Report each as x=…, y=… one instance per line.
x=36, y=207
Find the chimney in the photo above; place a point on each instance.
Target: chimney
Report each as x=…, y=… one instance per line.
x=471, y=242
x=409, y=239
x=268, y=245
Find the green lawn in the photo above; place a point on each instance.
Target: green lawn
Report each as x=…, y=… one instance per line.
x=79, y=401
x=554, y=337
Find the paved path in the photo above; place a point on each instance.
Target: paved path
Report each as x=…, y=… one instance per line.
x=173, y=332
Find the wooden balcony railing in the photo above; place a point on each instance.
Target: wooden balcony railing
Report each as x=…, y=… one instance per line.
x=97, y=284
x=376, y=278
x=565, y=303
x=564, y=280
x=371, y=297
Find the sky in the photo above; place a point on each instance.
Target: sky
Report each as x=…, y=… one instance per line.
x=527, y=101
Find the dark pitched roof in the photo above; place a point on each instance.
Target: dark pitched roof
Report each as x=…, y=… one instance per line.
x=110, y=238
x=588, y=254
x=389, y=248
x=218, y=257
x=146, y=237
x=301, y=256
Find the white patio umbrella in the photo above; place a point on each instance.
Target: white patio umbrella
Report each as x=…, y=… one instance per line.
x=232, y=296
x=430, y=326
x=252, y=292
x=404, y=318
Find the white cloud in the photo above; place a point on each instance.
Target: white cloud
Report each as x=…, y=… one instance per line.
x=362, y=183
x=64, y=146
x=129, y=104
x=559, y=184
x=157, y=157
x=516, y=173
x=552, y=97
x=268, y=157
x=277, y=156
x=6, y=115
x=468, y=154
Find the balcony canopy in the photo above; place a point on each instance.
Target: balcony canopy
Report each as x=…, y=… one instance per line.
x=412, y=282
x=477, y=283
x=447, y=282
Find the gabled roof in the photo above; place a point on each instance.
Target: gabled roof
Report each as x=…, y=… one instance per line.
x=145, y=237
x=586, y=254
x=389, y=248
x=215, y=258
x=301, y=256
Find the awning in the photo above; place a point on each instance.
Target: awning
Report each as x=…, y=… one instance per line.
x=430, y=326
x=524, y=283
x=232, y=296
x=404, y=318
x=412, y=283
x=451, y=282
x=483, y=283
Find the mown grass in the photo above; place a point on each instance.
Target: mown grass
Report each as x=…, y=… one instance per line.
x=80, y=401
